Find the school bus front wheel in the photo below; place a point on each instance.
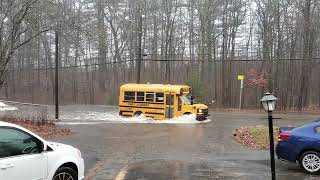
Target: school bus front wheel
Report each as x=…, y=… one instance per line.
x=201, y=117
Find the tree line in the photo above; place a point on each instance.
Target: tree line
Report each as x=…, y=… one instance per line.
x=204, y=43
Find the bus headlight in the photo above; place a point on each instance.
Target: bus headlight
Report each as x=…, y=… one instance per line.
x=200, y=110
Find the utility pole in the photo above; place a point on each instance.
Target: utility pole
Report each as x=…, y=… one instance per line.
x=57, y=75
x=139, y=46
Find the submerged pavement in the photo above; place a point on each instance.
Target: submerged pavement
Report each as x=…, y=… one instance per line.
x=175, y=151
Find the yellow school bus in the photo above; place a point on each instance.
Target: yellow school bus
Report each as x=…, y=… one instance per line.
x=159, y=101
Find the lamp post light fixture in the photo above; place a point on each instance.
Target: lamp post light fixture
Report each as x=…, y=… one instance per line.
x=269, y=104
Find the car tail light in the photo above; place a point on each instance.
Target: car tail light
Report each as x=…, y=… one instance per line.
x=283, y=136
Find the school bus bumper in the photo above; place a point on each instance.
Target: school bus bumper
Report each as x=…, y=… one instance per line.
x=202, y=114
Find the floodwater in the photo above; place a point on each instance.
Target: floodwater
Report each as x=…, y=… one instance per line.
x=140, y=148
x=112, y=116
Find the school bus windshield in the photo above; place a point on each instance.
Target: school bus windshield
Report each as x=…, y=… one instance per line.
x=187, y=99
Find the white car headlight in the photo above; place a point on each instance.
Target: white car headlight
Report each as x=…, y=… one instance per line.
x=200, y=110
x=79, y=153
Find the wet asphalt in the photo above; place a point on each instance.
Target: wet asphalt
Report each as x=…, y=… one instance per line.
x=136, y=151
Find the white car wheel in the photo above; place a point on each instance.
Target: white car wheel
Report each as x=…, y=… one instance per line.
x=65, y=173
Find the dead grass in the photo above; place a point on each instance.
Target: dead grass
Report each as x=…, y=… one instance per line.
x=255, y=137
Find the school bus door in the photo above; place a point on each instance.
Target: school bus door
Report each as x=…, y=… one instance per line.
x=169, y=106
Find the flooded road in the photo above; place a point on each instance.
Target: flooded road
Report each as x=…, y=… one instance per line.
x=75, y=115
x=128, y=149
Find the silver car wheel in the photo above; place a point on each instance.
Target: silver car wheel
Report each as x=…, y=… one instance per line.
x=311, y=162
x=63, y=176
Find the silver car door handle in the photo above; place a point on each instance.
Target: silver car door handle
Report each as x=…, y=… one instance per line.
x=6, y=166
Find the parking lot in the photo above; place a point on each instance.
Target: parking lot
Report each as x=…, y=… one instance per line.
x=132, y=150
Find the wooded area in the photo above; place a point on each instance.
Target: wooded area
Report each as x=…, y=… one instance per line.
x=203, y=43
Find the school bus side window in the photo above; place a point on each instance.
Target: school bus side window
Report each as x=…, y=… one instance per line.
x=129, y=95
x=160, y=97
x=140, y=96
x=150, y=97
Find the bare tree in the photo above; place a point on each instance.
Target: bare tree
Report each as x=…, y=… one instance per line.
x=13, y=27
x=204, y=43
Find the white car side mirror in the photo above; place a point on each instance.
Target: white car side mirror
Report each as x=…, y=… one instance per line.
x=45, y=146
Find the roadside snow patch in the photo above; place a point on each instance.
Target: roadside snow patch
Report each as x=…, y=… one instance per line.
x=4, y=107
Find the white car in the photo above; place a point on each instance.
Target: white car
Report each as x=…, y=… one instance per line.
x=26, y=156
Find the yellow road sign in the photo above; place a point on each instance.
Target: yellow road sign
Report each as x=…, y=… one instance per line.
x=240, y=77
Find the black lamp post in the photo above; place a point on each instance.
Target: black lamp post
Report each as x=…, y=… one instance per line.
x=269, y=103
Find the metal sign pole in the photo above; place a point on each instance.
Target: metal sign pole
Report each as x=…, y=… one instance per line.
x=240, y=77
x=241, y=90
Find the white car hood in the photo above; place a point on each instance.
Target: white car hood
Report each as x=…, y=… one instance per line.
x=59, y=146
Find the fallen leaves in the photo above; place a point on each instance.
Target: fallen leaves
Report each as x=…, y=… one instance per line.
x=255, y=137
